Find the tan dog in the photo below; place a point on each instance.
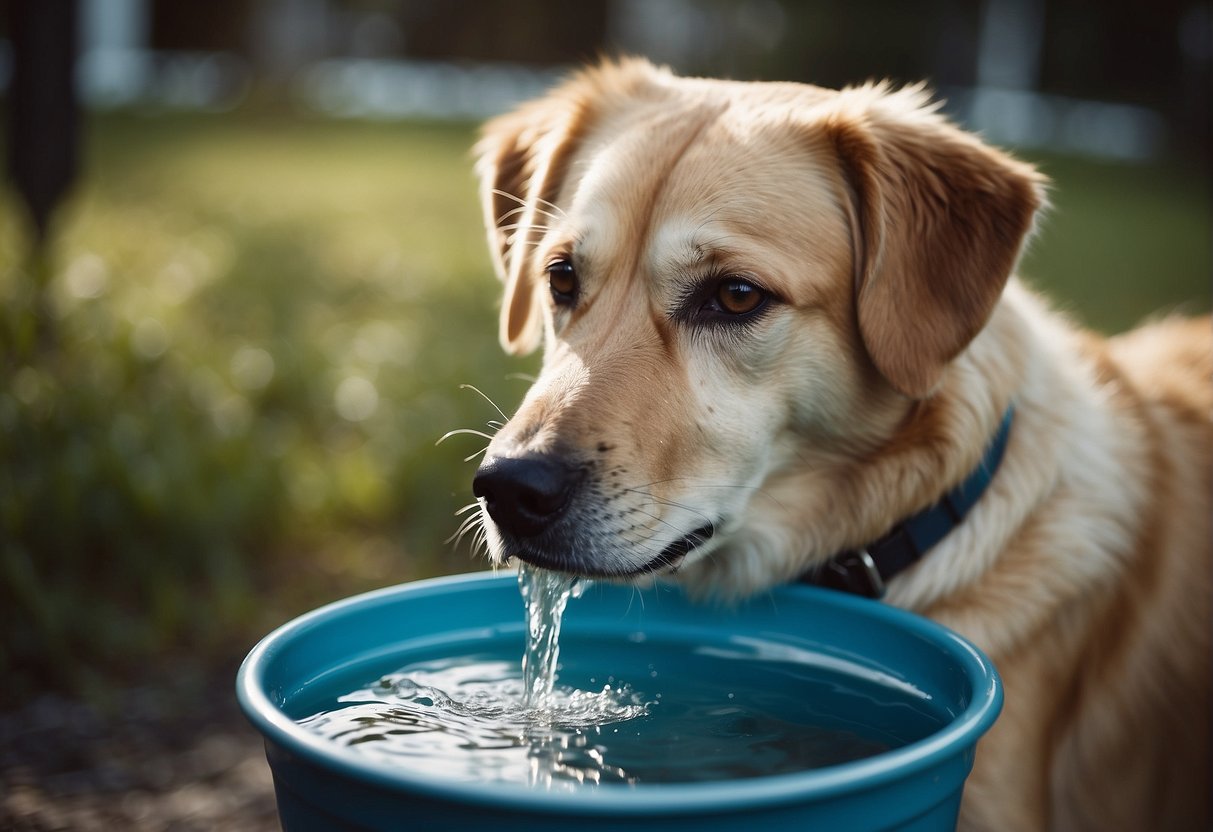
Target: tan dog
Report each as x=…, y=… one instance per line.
x=779, y=320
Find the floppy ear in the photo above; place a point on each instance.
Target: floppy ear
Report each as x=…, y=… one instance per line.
x=939, y=218
x=522, y=159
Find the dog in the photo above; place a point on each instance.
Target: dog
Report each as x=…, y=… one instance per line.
x=781, y=325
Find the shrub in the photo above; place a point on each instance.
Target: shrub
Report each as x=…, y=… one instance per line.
x=251, y=340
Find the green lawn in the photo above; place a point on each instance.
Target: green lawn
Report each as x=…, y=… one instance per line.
x=1121, y=243
x=261, y=328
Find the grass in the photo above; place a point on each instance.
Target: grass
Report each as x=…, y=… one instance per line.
x=259, y=327
x=1122, y=243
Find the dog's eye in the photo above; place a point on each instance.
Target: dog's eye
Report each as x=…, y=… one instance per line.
x=562, y=280
x=735, y=296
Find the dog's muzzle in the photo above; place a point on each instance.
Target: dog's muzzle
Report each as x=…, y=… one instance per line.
x=532, y=500
x=525, y=495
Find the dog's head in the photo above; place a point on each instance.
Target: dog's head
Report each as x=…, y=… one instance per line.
x=730, y=280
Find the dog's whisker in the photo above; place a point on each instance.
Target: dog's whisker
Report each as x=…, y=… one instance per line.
x=521, y=209
x=757, y=490
x=456, y=537
x=480, y=452
x=473, y=525
x=559, y=212
x=662, y=501
x=470, y=522
x=459, y=431
x=484, y=396
x=523, y=205
x=532, y=226
x=636, y=595
x=556, y=211
x=667, y=523
x=508, y=195
x=499, y=220
x=520, y=238
x=524, y=231
x=520, y=234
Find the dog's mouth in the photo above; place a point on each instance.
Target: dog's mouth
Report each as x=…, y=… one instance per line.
x=674, y=554
x=667, y=560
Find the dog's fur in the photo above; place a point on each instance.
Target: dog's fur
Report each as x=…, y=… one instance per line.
x=892, y=340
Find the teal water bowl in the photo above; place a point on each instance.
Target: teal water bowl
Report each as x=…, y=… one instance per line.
x=324, y=785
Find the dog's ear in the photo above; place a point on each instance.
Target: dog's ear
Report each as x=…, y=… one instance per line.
x=521, y=160
x=939, y=220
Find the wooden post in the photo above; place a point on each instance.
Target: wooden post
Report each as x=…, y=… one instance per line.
x=44, y=121
x=43, y=147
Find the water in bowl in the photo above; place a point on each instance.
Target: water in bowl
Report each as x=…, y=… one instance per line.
x=641, y=711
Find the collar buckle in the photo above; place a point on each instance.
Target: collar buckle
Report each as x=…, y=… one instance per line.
x=863, y=571
x=854, y=572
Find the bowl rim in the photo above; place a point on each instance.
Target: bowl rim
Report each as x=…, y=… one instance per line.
x=643, y=798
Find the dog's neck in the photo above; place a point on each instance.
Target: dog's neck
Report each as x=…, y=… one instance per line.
x=866, y=570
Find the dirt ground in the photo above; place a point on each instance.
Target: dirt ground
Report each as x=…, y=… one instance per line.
x=167, y=761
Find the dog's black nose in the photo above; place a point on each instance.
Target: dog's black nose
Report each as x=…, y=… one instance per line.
x=524, y=495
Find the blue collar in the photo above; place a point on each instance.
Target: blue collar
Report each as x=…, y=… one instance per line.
x=866, y=570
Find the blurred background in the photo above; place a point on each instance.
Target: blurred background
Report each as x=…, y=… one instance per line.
x=243, y=284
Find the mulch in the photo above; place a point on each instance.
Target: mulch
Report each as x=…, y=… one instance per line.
x=165, y=759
